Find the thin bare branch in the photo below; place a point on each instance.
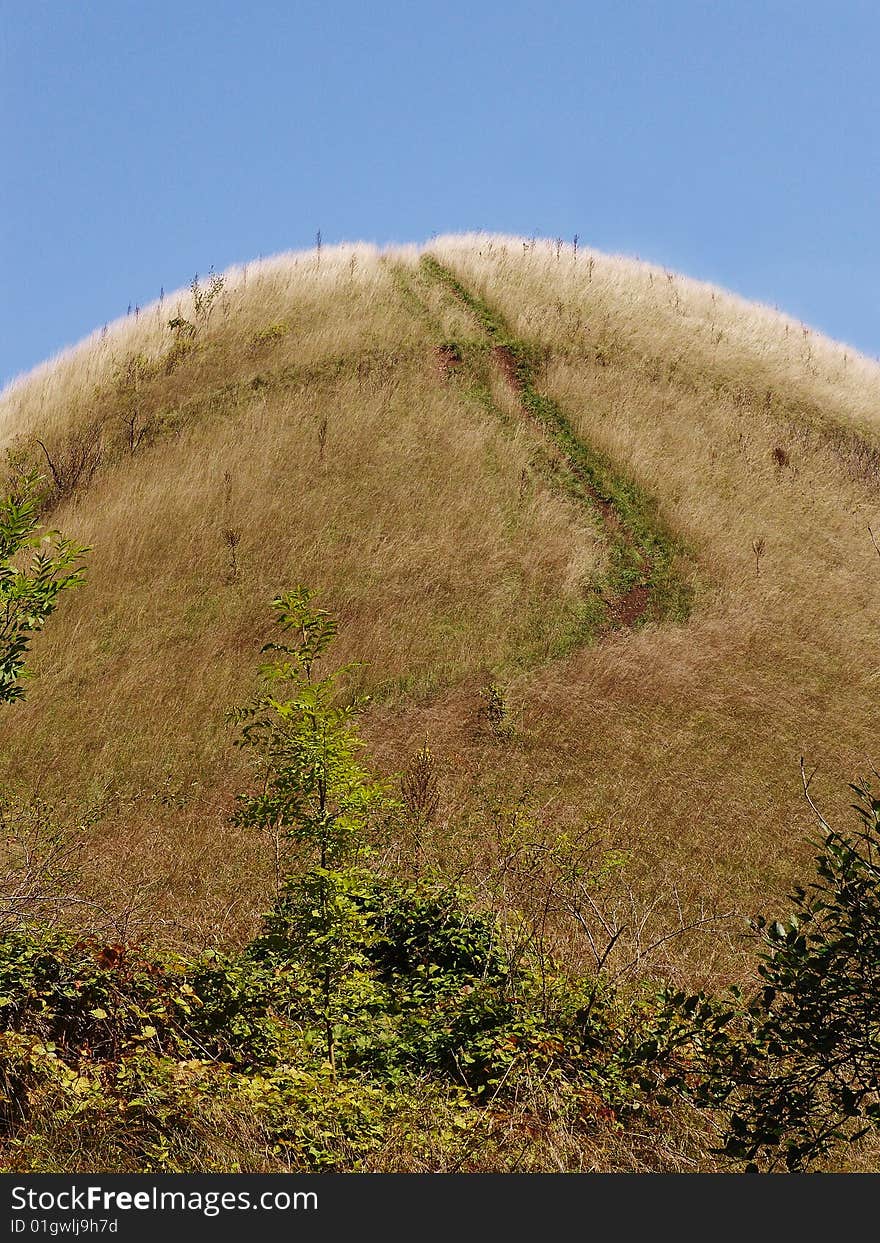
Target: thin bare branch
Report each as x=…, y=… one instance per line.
x=805, y=781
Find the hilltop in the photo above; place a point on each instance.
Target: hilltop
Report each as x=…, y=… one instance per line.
x=317, y=415
x=599, y=534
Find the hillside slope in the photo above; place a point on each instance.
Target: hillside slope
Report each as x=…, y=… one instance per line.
x=637, y=505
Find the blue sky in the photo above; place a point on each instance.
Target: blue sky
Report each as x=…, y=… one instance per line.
x=144, y=142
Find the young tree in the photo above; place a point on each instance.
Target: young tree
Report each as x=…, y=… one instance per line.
x=36, y=567
x=312, y=793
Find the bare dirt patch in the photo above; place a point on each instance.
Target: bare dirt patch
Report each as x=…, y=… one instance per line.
x=448, y=359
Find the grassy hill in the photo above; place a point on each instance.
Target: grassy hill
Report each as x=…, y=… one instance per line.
x=629, y=510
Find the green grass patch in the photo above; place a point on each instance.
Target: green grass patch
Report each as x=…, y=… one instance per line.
x=642, y=550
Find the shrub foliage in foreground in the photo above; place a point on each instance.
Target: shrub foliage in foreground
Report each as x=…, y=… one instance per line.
x=129, y=1058
x=35, y=569
x=801, y=1070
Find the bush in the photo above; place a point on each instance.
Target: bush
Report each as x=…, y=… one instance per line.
x=812, y=1078
x=796, y=1067
x=29, y=592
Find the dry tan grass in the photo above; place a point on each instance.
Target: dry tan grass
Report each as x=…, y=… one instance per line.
x=681, y=744
x=342, y=457
x=316, y=419
x=639, y=312
x=686, y=741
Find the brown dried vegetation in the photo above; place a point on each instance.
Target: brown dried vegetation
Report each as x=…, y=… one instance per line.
x=345, y=451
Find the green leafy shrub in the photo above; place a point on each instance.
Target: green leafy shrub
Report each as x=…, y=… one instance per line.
x=795, y=1068
x=270, y=334
x=29, y=588
x=812, y=1075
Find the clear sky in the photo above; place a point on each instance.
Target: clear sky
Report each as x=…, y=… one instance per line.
x=145, y=141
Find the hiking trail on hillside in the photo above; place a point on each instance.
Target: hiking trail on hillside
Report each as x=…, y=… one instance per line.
x=647, y=576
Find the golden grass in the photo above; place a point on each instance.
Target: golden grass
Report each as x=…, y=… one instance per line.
x=316, y=419
x=341, y=456
x=686, y=741
x=645, y=314
x=680, y=744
